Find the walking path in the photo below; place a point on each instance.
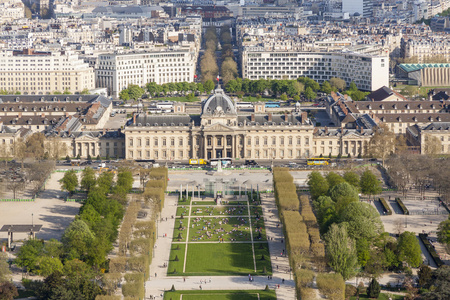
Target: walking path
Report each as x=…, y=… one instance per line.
x=280, y=263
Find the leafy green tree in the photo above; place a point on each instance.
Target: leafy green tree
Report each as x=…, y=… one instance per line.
x=70, y=181
x=358, y=95
x=124, y=95
x=363, y=220
x=341, y=251
x=125, y=180
x=135, y=92
x=352, y=178
x=4, y=267
x=87, y=179
x=369, y=183
x=200, y=88
x=66, y=92
x=295, y=88
x=209, y=86
x=363, y=251
x=105, y=182
x=374, y=289
x=53, y=248
x=343, y=194
x=309, y=93
x=326, y=212
x=326, y=87
x=443, y=232
x=318, y=186
x=84, y=92
x=89, y=215
x=409, y=249
x=77, y=239
x=283, y=97
x=29, y=253
x=352, y=87
x=48, y=265
x=440, y=284
x=54, y=287
x=334, y=179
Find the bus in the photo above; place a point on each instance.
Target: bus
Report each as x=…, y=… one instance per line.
x=273, y=104
x=198, y=161
x=318, y=161
x=244, y=105
x=75, y=162
x=226, y=162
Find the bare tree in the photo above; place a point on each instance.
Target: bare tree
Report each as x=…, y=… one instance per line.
x=382, y=144
x=398, y=226
x=16, y=184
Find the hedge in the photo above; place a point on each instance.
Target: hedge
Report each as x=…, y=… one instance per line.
x=433, y=253
x=402, y=206
x=386, y=207
x=332, y=285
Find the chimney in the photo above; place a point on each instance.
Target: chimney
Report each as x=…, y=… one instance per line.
x=285, y=116
x=361, y=130
x=69, y=131
x=253, y=117
x=326, y=130
x=270, y=117
x=304, y=116
x=134, y=119
x=19, y=115
x=43, y=115
x=104, y=131
x=67, y=114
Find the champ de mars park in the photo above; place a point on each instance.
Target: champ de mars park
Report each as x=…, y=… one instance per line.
x=355, y=229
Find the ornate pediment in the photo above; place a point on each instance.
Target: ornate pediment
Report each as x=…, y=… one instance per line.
x=218, y=127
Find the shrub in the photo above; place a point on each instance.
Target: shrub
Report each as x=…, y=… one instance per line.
x=402, y=206
x=373, y=290
x=133, y=289
x=386, y=207
x=304, y=277
x=307, y=293
x=332, y=285
x=350, y=291
x=117, y=264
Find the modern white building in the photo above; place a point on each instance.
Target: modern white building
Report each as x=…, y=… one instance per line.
x=362, y=7
x=41, y=73
x=116, y=71
x=368, y=72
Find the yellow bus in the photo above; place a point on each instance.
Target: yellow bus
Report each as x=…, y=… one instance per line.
x=198, y=161
x=318, y=161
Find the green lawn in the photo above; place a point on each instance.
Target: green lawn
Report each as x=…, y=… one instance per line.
x=380, y=297
x=221, y=295
x=228, y=228
x=262, y=249
x=176, y=250
x=220, y=259
x=180, y=230
x=238, y=210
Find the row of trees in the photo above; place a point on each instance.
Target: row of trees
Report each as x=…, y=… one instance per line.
x=208, y=63
x=353, y=232
x=228, y=68
x=85, y=242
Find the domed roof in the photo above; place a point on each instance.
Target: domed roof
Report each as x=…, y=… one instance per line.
x=218, y=104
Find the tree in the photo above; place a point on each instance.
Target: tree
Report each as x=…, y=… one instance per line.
x=29, y=253
x=135, y=92
x=440, y=284
x=409, y=249
x=382, y=143
x=48, y=265
x=209, y=86
x=369, y=183
x=309, y=93
x=425, y=273
x=124, y=95
x=341, y=251
x=326, y=212
x=352, y=87
x=4, y=267
x=338, y=83
x=343, y=194
x=363, y=220
x=54, y=148
x=77, y=238
x=318, y=186
x=66, y=92
x=444, y=233
x=352, y=178
x=8, y=290
x=70, y=181
x=84, y=92
x=87, y=179
x=373, y=290
x=334, y=179
x=125, y=180
x=326, y=87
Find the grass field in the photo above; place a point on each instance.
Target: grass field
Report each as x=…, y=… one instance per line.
x=228, y=228
x=176, y=250
x=180, y=229
x=221, y=295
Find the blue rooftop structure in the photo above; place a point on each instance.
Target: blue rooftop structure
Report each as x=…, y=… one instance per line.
x=416, y=67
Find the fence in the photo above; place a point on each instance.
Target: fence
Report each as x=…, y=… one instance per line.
x=428, y=212
x=16, y=200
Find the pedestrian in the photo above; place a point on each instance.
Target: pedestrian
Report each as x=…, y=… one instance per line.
x=209, y=279
x=278, y=286
x=268, y=277
x=200, y=287
x=184, y=279
x=156, y=275
x=282, y=280
x=277, y=267
x=201, y=281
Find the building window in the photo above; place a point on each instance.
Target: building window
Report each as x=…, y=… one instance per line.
x=274, y=140
x=130, y=153
x=257, y=141
x=307, y=141
x=181, y=154
x=139, y=142
x=228, y=140
x=156, y=154
x=290, y=141
x=155, y=141
x=219, y=141
x=131, y=142
x=172, y=142
x=249, y=141
x=164, y=142
x=147, y=154
x=180, y=142
x=209, y=141
x=265, y=141
x=282, y=140
x=147, y=142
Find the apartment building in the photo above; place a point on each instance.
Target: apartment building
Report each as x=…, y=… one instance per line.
x=426, y=136
x=40, y=73
x=116, y=71
x=368, y=72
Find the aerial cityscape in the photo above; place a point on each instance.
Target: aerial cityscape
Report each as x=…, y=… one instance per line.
x=224, y=150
